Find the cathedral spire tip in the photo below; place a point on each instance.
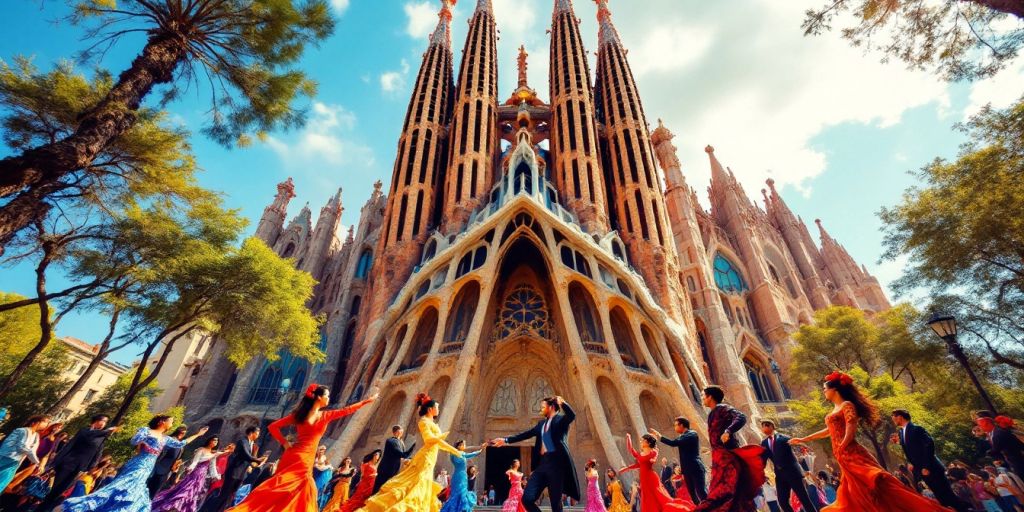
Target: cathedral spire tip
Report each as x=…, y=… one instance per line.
x=442, y=34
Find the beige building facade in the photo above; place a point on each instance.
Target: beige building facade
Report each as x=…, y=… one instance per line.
x=80, y=354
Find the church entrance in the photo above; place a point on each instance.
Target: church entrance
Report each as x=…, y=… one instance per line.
x=499, y=460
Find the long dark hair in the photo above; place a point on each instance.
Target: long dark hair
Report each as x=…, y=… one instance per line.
x=848, y=390
x=369, y=456
x=425, y=403
x=301, y=412
x=210, y=440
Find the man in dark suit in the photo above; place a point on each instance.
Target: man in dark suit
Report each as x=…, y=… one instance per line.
x=391, y=460
x=553, y=467
x=919, y=448
x=666, y=477
x=688, y=444
x=80, y=454
x=1003, y=441
x=164, y=463
x=789, y=475
x=236, y=470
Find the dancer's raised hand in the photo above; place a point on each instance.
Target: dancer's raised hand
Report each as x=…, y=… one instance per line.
x=498, y=442
x=726, y=436
x=654, y=433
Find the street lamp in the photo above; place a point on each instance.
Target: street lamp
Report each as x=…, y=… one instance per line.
x=944, y=326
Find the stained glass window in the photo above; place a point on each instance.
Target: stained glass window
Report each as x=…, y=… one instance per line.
x=523, y=314
x=727, y=276
x=539, y=390
x=505, y=399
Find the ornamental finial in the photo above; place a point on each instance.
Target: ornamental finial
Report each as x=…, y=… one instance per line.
x=522, y=65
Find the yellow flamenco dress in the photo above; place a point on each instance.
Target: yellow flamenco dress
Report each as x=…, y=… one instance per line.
x=413, y=489
x=619, y=503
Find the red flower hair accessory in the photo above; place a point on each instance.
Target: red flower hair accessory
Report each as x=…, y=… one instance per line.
x=422, y=398
x=312, y=389
x=1005, y=422
x=843, y=378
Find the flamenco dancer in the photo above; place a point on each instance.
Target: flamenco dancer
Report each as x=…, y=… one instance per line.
x=339, y=496
x=292, y=487
x=128, y=492
x=595, y=501
x=364, y=489
x=414, y=488
x=737, y=473
x=865, y=486
x=188, y=494
x=514, y=503
x=619, y=503
x=554, y=469
x=653, y=496
x=460, y=497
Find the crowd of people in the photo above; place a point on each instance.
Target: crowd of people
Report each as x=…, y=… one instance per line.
x=43, y=469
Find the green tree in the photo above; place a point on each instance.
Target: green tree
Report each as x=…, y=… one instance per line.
x=244, y=50
x=959, y=39
x=137, y=415
x=150, y=160
x=962, y=233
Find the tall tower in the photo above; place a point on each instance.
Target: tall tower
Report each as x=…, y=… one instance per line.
x=472, y=137
x=792, y=230
x=272, y=221
x=324, y=237
x=577, y=170
x=420, y=160
x=636, y=185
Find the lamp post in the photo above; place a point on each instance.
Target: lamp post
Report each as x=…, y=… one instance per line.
x=944, y=326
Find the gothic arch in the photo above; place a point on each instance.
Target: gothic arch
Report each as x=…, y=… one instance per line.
x=588, y=321
x=385, y=417
x=704, y=344
x=655, y=414
x=391, y=348
x=463, y=310
x=629, y=350
x=760, y=378
x=422, y=339
x=439, y=389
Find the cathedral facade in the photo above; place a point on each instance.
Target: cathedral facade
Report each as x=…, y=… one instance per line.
x=526, y=248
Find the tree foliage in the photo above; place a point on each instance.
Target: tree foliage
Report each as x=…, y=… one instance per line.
x=244, y=52
x=962, y=232
x=959, y=39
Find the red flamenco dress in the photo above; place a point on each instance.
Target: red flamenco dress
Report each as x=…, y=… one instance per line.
x=864, y=485
x=364, y=490
x=292, y=487
x=653, y=496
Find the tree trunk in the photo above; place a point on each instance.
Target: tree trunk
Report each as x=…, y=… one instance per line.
x=45, y=327
x=883, y=458
x=47, y=164
x=1014, y=7
x=101, y=354
x=139, y=383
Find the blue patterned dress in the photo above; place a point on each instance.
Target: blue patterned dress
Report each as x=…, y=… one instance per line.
x=461, y=499
x=128, y=491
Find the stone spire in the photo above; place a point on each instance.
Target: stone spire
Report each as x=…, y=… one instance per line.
x=324, y=235
x=575, y=151
x=473, y=136
x=840, y=264
x=636, y=188
x=419, y=166
x=607, y=34
x=443, y=33
x=805, y=254
x=272, y=221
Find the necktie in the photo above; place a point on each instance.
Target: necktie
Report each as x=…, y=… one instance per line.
x=544, y=432
x=903, y=436
x=771, y=443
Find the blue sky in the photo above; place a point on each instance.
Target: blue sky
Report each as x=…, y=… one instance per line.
x=836, y=129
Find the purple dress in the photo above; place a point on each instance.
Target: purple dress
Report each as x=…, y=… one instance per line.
x=595, y=502
x=187, y=495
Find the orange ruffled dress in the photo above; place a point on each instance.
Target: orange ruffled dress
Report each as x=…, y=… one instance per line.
x=292, y=487
x=864, y=485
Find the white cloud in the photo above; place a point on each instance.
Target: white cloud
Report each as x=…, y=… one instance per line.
x=422, y=18
x=755, y=87
x=1001, y=90
x=326, y=139
x=339, y=6
x=392, y=82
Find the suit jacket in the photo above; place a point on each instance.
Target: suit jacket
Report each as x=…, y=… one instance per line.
x=239, y=460
x=83, y=450
x=1006, y=445
x=782, y=456
x=725, y=418
x=166, y=459
x=688, y=445
x=559, y=432
x=919, y=448
x=666, y=474
x=391, y=459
